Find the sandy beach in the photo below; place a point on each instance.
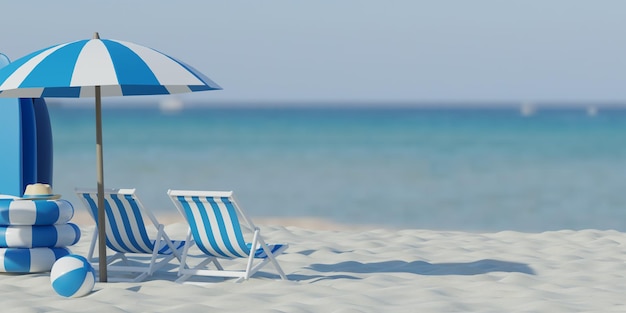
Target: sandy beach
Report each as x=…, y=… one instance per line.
x=373, y=270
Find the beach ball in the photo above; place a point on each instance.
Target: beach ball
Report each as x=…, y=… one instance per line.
x=72, y=276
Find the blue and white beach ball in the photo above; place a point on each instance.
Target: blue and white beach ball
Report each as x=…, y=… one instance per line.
x=72, y=276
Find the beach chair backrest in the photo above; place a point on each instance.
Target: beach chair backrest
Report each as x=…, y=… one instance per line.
x=214, y=223
x=125, y=227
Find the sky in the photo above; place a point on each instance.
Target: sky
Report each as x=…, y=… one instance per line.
x=361, y=51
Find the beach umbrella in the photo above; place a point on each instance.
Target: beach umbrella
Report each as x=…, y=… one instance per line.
x=99, y=68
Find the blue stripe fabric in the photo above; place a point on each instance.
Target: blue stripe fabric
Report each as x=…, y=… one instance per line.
x=60, y=252
x=165, y=249
x=137, y=90
x=239, y=240
x=260, y=253
x=193, y=224
x=132, y=71
x=27, y=236
x=200, y=88
x=61, y=92
x=203, y=237
x=35, y=260
x=114, y=238
x=77, y=231
x=116, y=228
x=135, y=71
x=3, y=237
x=5, y=205
x=47, y=212
x=44, y=236
x=138, y=224
x=17, y=261
x=56, y=69
x=196, y=73
x=226, y=239
x=128, y=234
x=93, y=207
x=11, y=67
x=35, y=212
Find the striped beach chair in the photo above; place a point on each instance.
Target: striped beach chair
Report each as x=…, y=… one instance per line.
x=127, y=235
x=215, y=228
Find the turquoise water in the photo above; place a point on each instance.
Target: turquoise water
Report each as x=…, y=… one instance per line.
x=458, y=169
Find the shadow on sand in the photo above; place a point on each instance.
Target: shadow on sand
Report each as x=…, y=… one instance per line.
x=424, y=268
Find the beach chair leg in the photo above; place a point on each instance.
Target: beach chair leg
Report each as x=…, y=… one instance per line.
x=168, y=241
x=183, y=260
x=120, y=256
x=155, y=250
x=187, y=272
x=253, y=248
x=217, y=264
x=92, y=246
x=272, y=257
x=183, y=278
x=141, y=277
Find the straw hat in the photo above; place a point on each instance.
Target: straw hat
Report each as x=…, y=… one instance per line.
x=39, y=191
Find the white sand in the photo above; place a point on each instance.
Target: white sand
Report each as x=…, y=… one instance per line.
x=376, y=270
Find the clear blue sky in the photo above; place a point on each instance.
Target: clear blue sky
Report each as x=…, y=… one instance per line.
x=358, y=50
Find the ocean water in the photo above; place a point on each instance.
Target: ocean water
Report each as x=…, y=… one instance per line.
x=431, y=168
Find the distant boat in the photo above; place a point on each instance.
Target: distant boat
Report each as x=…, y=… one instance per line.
x=171, y=105
x=527, y=109
x=592, y=111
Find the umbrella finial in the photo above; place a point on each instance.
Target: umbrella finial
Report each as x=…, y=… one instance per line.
x=96, y=35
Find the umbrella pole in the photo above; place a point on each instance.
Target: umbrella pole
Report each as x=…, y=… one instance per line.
x=102, y=257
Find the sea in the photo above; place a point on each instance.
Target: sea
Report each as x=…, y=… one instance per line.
x=438, y=168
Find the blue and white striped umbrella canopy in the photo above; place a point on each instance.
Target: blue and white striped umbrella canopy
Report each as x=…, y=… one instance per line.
x=71, y=70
